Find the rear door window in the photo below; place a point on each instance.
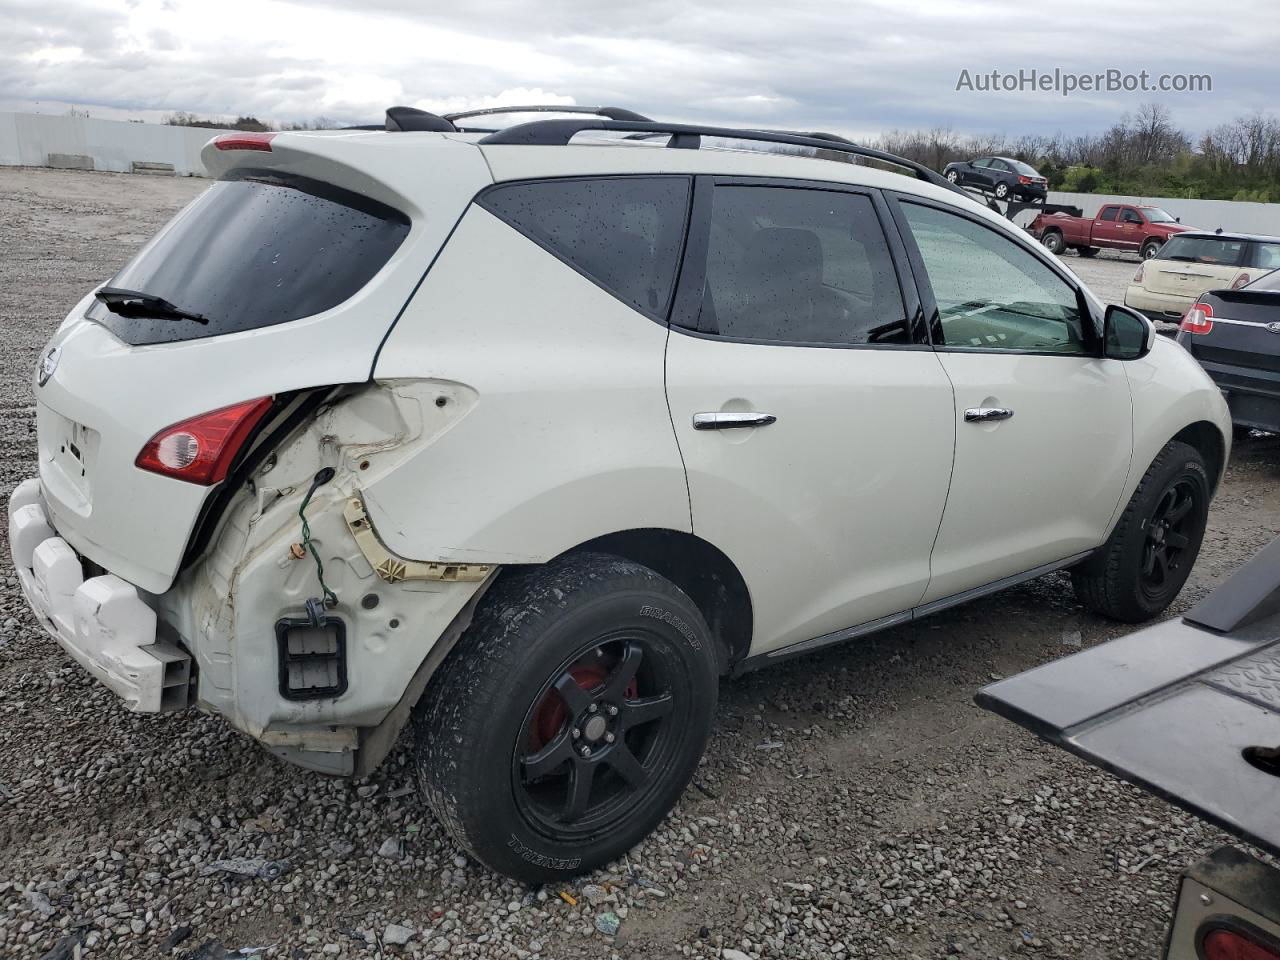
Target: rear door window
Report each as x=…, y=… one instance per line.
x=794, y=265
x=623, y=233
x=252, y=252
x=1109, y=213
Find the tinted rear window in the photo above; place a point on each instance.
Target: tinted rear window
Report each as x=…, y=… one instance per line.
x=624, y=233
x=254, y=252
x=1208, y=250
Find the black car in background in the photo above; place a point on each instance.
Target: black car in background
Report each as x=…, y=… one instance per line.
x=1235, y=334
x=1002, y=177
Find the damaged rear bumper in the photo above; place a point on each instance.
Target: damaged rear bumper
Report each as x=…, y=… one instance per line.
x=102, y=621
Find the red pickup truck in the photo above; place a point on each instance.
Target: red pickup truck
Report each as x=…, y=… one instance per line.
x=1118, y=226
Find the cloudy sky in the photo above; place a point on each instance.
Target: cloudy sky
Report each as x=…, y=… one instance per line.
x=856, y=68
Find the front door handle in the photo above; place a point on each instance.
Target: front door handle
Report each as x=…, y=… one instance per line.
x=986, y=414
x=731, y=421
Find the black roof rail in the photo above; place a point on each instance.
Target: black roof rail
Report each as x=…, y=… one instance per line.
x=404, y=119
x=610, y=113
x=689, y=136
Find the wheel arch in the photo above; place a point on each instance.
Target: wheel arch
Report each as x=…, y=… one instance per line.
x=1206, y=438
x=699, y=568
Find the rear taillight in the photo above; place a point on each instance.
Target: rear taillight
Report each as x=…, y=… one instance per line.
x=200, y=450
x=244, y=141
x=1199, y=319
x=1024, y=179
x=1224, y=944
x=1137, y=277
x=1240, y=281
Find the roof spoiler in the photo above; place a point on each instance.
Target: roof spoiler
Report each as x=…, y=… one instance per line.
x=406, y=119
x=689, y=137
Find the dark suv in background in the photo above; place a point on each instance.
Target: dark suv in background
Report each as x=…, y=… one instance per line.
x=1002, y=176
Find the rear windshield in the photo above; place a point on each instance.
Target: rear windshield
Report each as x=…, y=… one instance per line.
x=1207, y=250
x=252, y=252
x=1025, y=169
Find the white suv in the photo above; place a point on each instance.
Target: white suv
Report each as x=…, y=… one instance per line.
x=530, y=440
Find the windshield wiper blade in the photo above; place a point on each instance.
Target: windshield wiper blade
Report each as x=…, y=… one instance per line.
x=134, y=303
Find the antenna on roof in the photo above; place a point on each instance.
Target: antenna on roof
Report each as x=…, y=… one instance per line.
x=406, y=119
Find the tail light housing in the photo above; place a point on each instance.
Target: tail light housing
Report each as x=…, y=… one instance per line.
x=1024, y=179
x=1137, y=277
x=1240, y=281
x=1225, y=943
x=1198, y=319
x=201, y=450
x=244, y=141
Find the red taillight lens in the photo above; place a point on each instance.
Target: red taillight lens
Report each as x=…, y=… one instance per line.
x=1024, y=179
x=245, y=141
x=1199, y=319
x=1240, y=281
x=1230, y=945
x=200, y=450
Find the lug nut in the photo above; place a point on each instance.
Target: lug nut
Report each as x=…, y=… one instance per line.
x=592, y=709
x=613, y=710
x=585, y=750
x=609, y=738
x=576, y=733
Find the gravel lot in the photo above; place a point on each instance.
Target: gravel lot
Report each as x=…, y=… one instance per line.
x=852, y=804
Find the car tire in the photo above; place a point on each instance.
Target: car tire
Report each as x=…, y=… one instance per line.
x=1002, y=191
x=1087, y=251
x=593, y=669
x=953, y=176
x=1141, y=568
x=1052, y=240
x=1150, y=249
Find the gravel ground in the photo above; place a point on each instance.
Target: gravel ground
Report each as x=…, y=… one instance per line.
x=852, y=804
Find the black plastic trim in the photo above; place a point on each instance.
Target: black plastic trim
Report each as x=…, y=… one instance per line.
x=610, y=113
x=561, y=132
x=283, y=626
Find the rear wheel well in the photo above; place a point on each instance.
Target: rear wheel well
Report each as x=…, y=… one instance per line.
x=701, y=570
x=1208, y=440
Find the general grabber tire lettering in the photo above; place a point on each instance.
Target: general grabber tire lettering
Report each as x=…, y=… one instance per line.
x=570, y=717
x=1136, y=574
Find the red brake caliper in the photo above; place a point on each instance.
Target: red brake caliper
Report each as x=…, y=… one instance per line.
x=551, y=713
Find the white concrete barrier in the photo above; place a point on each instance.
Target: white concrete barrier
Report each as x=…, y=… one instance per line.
x=28, y=139
x=1232, y=215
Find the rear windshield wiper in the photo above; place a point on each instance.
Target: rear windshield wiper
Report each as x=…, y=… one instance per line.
x=133, y=303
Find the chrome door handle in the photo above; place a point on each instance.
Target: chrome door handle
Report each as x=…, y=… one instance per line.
x=986, y=414
x=731, y=421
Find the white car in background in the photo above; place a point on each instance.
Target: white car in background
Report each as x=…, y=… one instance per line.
x=531, y=440
x=1193, y=263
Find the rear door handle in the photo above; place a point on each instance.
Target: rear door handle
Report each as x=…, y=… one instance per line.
x=731, y=421
x=986, y=414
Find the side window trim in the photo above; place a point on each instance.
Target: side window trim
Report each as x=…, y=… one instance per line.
x=687, y=301
x=929, y=302
x=661, y=316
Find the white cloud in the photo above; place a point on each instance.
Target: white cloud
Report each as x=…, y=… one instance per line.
x=847, y=67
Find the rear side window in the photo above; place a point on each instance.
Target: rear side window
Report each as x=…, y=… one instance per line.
x=793, y=265
x=1109, y=213
x=1266, y=255
x=1207, y=250
x=624, y=233
x=254, y=252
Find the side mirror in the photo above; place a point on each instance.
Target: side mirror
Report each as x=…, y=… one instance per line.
x=1126, y=333
x=1177, y=219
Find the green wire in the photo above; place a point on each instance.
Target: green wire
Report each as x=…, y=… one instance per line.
x=330, y=598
